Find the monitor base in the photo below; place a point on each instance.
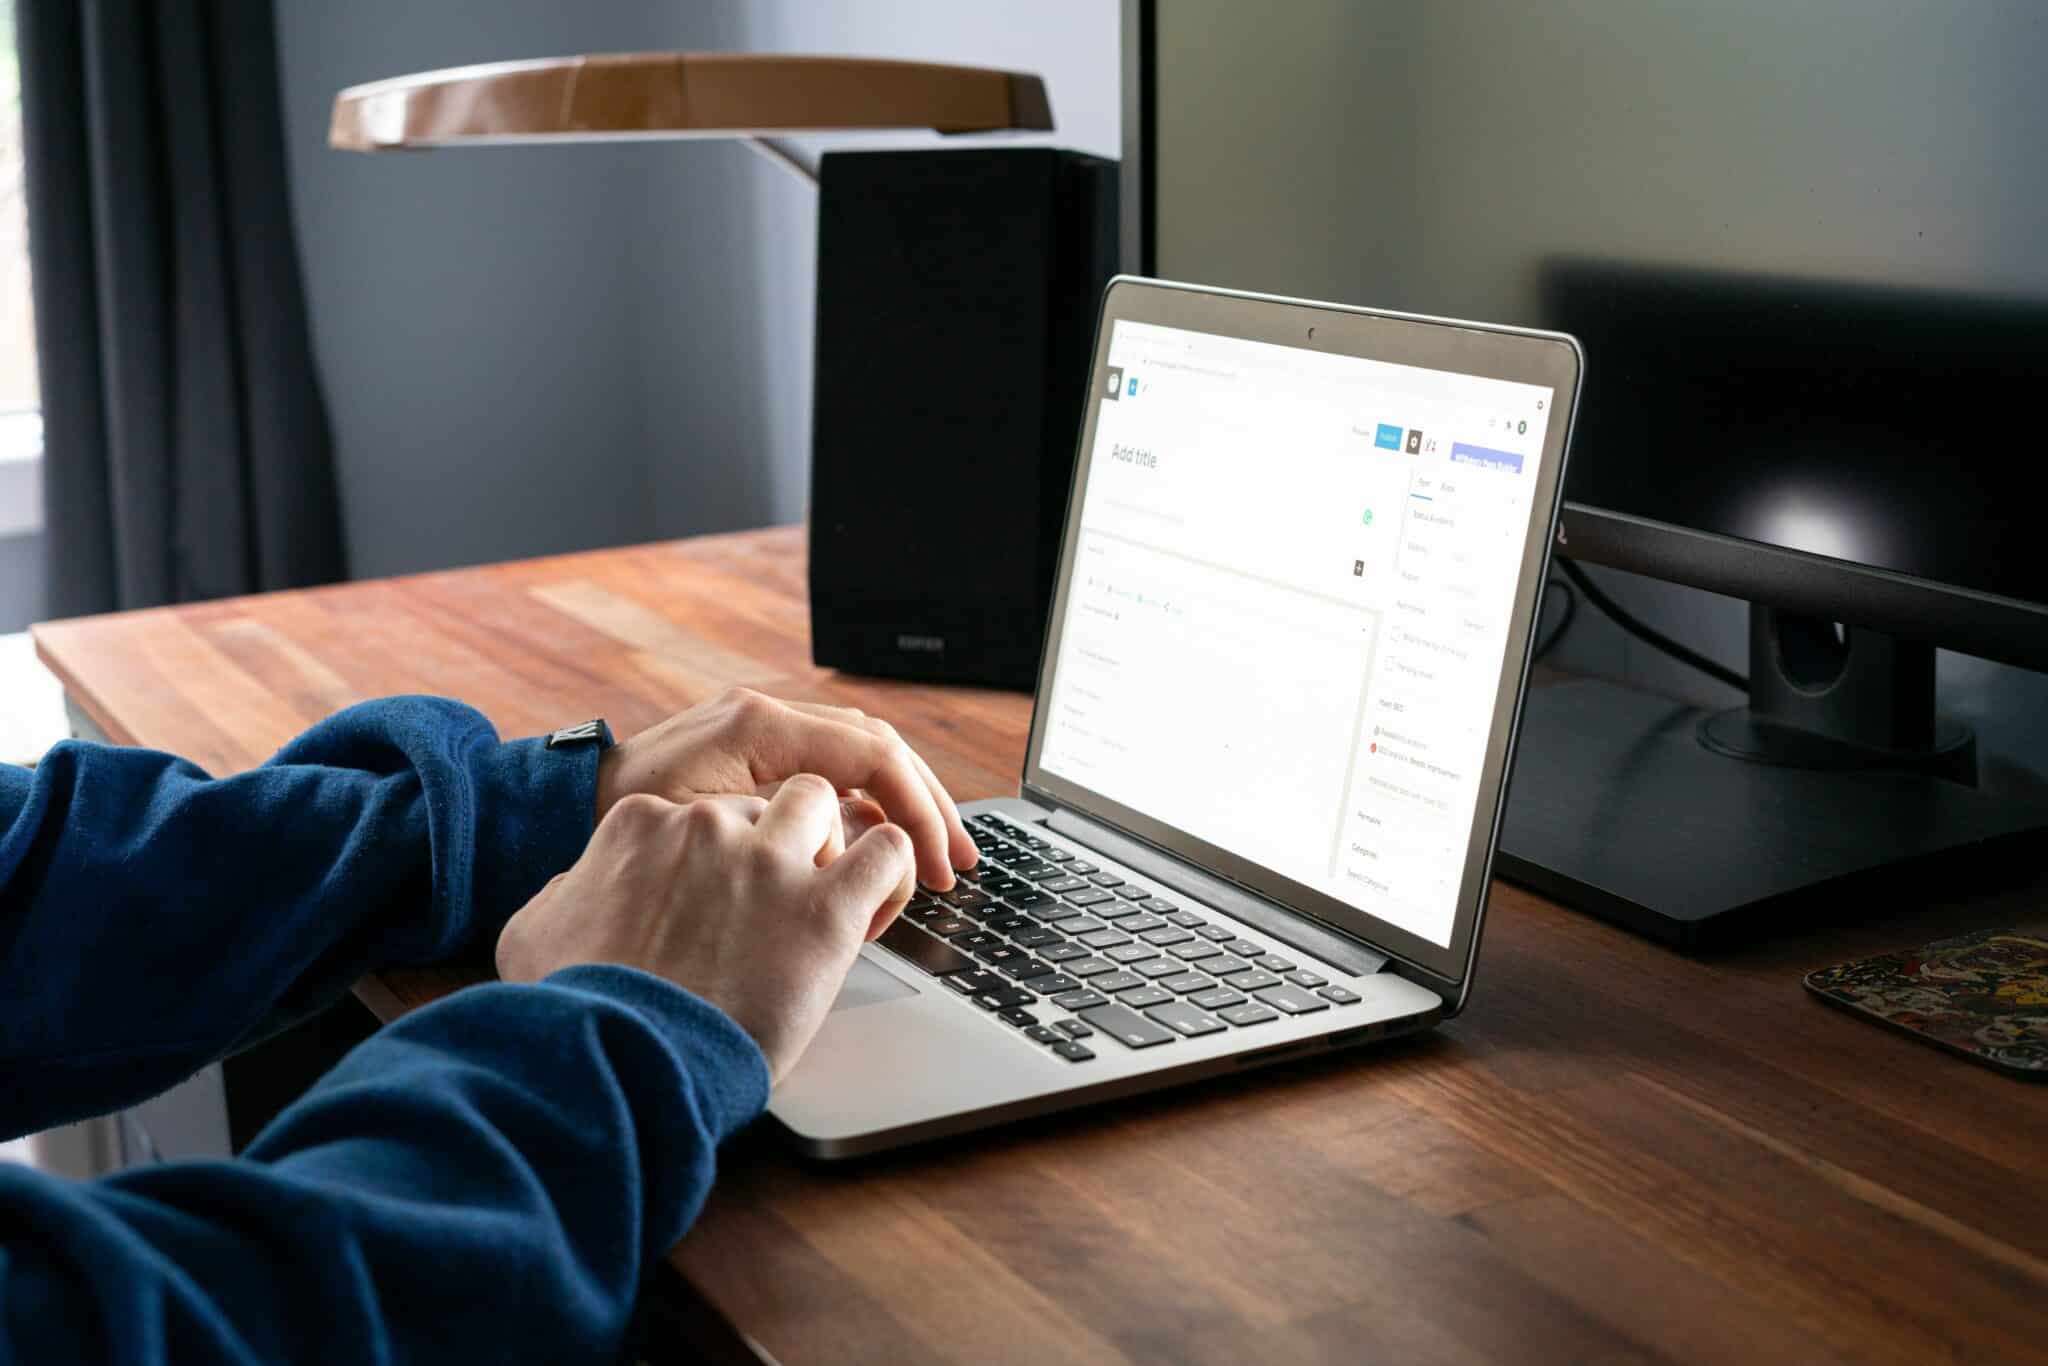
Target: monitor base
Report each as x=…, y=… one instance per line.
x=1618, y=810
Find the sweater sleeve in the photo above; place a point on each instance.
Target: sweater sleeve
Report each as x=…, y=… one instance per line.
x=482, y=1181
x=153, y=918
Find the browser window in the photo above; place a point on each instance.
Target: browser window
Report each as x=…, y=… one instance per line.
x=1289, y=607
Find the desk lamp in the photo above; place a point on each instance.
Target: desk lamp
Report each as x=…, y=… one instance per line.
x=645, y=96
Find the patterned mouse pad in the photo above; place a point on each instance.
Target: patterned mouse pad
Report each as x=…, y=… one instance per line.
x=1984, y=995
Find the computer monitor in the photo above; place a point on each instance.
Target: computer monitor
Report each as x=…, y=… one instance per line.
x=1803, y=247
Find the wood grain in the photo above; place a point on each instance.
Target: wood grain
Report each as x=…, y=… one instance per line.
x=1618, y=1154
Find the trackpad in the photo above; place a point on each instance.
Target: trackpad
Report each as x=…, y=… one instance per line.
x=868, y=985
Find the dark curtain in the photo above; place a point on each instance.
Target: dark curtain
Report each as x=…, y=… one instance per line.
x=187, y=453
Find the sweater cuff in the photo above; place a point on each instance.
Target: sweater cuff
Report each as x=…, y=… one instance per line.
x=726, y=1067
x=536, y=808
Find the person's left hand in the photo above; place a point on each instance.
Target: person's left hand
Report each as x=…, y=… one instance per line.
x=742, y=741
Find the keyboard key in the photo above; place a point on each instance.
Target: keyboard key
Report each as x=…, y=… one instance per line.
x=1188, y=920
x=1342, y=996
x=1217, y=999
x=1036, y=937
x=1159, y=906
x=1131, y=953
x=1040, y=1034
x=1126, y=1027
x=1063, y=884
x=1038, y=872
x=963, y=896
x=1196, y=952
x=1153, y=968
x=1073, y=1052
x=1255, y=980
x=1115, y=910
x=1034, y=842
x=1094, y=898
x=1004, y=956
x=1225, y=965
x=1116, y=981
x=1145, y=996
x=1079, y=1000
x=1104, y=939
x=980, y=939
x=1086, y=924
x=1307, y=979
x=1245, y=948
x=1133, y=892
x=1059, y=911
x=1247, y=1014
x=1061, y=953
x=1218, y=933
x=1166, y=934
x=1005, y=998
x=1139, y=923
x=1273, y=962
x=1106, y=880
x=1059, y=856
x=1026, y=969
x=1010, y=923
x=995, y=910
x=1292, y=999
x=935, y=956
x=947, y=926
x=931, y=910
x=975, y=982
x=1074, y=1028
x=1182, y=983
x=1027, y=901
x=1085, y=968
x=1018, y=1016
x=1052, y=984
x=1184, y=1018
x=1081, y=869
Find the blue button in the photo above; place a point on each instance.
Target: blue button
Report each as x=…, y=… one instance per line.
x=1387, y=438
x=1462, y=454
x=1134, y=386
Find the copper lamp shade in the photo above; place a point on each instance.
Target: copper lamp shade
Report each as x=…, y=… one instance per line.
x=653, y=95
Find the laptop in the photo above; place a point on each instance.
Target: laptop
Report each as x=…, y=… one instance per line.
x=1276, y=705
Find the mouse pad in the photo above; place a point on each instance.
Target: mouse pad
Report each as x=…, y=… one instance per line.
x=1984, y=995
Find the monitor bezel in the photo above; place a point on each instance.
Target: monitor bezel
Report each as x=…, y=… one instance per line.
x=1548, y=359
x=1929, y=611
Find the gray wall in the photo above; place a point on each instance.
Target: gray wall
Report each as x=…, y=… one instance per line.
x=535, y=349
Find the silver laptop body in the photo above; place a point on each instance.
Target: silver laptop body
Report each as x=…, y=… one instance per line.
x=1270, y=743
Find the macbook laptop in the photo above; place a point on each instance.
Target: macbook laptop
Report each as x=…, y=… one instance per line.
x=1288, y=640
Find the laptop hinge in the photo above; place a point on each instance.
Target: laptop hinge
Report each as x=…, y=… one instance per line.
x=1289, y=927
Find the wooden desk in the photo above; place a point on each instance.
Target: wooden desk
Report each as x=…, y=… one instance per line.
x=1616, y=1154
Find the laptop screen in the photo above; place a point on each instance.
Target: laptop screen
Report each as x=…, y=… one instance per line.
x=1289, y=605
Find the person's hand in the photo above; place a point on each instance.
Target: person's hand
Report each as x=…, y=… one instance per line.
x=725, y=896
x=741, y=740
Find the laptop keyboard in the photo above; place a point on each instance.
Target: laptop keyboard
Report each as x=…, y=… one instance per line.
x=1069, y=953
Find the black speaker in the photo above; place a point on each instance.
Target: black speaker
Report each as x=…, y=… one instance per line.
x=957, y=293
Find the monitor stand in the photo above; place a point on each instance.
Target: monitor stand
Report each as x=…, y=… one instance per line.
x=1837, y=781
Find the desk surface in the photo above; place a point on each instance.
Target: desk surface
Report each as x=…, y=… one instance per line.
x=1617, y=1154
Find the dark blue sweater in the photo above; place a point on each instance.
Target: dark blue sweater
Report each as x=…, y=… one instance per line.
x=485, y=1180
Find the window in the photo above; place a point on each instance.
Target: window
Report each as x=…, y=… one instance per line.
x=21, y=419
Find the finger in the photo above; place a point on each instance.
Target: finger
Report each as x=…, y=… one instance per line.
x=858, y=815
x=961, y=849
x=802, y=815
x=847, y=756
x=872, y=880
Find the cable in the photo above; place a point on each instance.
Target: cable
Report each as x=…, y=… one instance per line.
x=1655, y=639
x=1564, y=620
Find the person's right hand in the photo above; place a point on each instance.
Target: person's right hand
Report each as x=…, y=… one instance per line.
x=723, y=896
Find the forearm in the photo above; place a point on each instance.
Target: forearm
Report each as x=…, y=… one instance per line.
x=205, y=908
x=484, y=1180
